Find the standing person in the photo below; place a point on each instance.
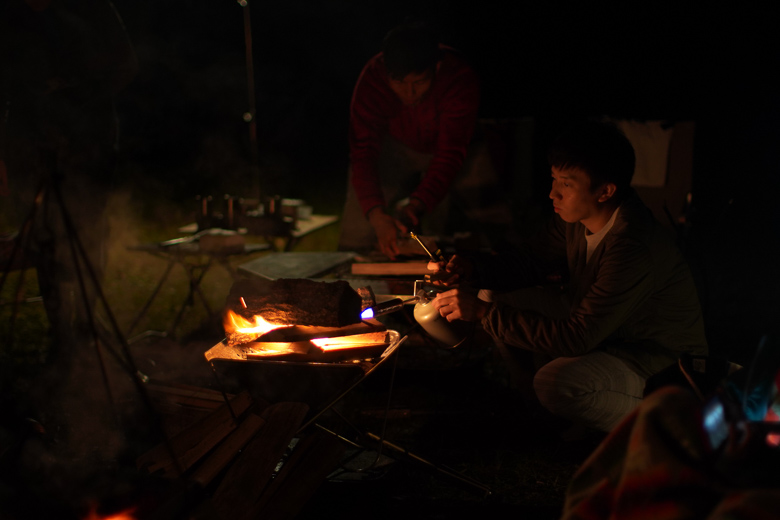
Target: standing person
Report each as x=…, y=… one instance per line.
x=413, y=113
x=629, y=307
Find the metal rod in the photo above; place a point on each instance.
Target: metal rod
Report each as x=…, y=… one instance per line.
x=436, y=257
x=224, y=394
x=250, y=85
x=439, y=468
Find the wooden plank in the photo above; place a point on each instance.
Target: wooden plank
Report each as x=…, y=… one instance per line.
x=192, y=402
x=246, y=478
x=191, y=444
x=391, y=268
x=312, y=460
x=227, y=450
x=203, y=399
x=188, y=391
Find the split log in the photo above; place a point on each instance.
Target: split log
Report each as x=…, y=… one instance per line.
x=296, y=302
x=193, y=443
x=248, y=476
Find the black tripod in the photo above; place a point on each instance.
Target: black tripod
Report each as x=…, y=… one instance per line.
x=107, y=340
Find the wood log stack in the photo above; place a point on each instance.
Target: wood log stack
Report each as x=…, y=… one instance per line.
x=246, y=457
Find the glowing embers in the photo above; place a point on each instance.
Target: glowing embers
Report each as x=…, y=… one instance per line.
x=357, y=346
x=122, y=515
x=356, y=340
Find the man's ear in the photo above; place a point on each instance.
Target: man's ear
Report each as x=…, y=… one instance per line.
x=607, y=191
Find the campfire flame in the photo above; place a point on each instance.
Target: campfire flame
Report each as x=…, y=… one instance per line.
x=127, y=514
x=236, y=323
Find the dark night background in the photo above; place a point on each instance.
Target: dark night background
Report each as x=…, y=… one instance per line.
x=543, y=61
x=183, y=132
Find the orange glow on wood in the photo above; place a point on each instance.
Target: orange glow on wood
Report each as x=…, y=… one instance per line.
x=127, y=514
x=345, y=342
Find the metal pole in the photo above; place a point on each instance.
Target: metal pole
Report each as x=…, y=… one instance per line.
x=250, y=116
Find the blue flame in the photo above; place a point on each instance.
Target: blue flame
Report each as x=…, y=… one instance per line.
x=367, y=314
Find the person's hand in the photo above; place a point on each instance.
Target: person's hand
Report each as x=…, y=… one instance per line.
x=386, y=229
x=411, y=213
x=458, y=304
x=451, y=272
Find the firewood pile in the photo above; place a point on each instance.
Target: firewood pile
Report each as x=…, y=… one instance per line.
x=246, y=458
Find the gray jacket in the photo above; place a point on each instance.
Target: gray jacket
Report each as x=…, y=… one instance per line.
x=635, y=298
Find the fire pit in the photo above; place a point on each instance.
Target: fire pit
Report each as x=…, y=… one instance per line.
x=301, y=344
x=282, y=338
x=298, y=320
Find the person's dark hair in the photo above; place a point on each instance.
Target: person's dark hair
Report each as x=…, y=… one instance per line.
x=598, y=148
x=412, y=47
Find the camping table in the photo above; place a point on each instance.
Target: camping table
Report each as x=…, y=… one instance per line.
x=196, y=263
x=303, y=227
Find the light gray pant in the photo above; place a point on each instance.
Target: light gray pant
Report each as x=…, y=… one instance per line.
x=595, y=390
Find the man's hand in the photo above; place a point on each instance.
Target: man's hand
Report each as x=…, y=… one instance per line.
x=412, y=213
x=454, y=271
x=386, y=229
x=458, y=304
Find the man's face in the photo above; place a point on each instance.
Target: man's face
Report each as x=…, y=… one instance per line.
x=411, y=89
x=572, y=197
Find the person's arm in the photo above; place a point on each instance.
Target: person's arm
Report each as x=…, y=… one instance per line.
x=386, y=229
x=369, y=113
x=456, y=269
x=623, y=284
x=457, y=120
x=368, y=123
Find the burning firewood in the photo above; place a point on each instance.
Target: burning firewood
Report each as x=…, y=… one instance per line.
x=292, y=302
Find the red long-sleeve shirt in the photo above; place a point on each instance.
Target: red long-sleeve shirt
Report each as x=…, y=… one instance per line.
x=441, y=124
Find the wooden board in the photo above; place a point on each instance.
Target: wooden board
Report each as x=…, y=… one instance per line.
x=228, y=450
x=248, y=476
x=191, y=444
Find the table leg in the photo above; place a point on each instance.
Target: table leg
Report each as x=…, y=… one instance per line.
x=151, y=299
x=194, y=288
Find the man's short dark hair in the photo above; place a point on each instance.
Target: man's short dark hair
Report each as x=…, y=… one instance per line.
x=410, y=48
x=599, y=149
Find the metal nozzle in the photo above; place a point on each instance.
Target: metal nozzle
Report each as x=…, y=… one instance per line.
x=386, y=307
